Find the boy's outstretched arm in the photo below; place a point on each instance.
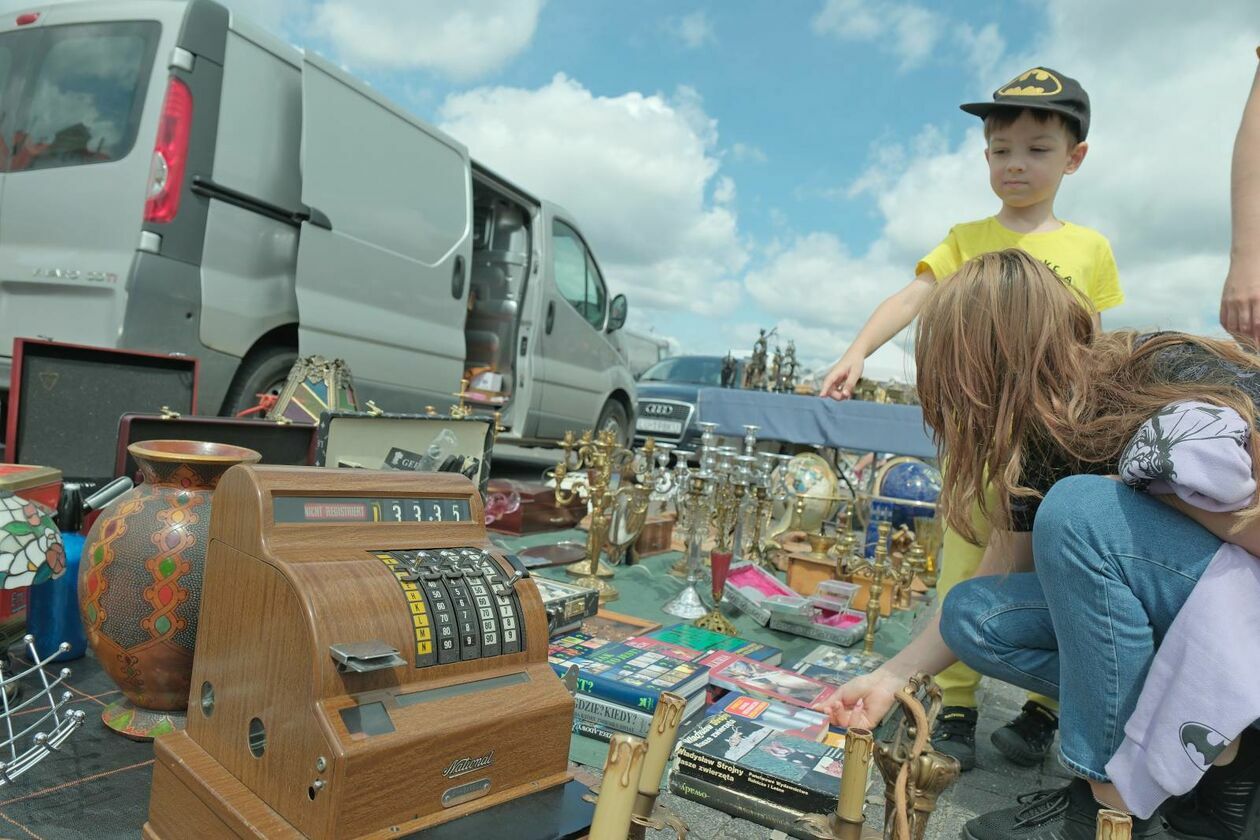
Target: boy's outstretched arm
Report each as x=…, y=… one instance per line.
x=889, y=318
x=1240, y=301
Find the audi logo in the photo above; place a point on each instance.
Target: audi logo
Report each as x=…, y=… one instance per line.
x=658, y=409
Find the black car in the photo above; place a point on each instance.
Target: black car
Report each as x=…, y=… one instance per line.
x=668, y=392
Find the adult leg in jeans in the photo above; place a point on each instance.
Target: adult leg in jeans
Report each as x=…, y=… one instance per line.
x=1024, y=740
x=1113, y=567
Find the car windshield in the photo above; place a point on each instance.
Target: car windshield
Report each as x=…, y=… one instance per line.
x=699, y=370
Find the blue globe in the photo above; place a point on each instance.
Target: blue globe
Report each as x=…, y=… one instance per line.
x=901, y=484
x=913, y=481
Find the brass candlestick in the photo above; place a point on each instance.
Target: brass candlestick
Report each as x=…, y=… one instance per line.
x=918, y=561
x=662, y=733
x=842, y=551
x=1114, y=825
x=878, y=568
x=928, y=531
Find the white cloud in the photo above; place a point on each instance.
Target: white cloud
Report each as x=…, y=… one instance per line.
x=636, y=170
x=909, y=31
x=741, y=152
x=1155, y=182
x=694, y=30
x=462, y=40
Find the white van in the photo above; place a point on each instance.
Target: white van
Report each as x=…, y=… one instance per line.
x=175, y=179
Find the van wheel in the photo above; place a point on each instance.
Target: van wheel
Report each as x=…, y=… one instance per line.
x=613, y=418
x=263, y=371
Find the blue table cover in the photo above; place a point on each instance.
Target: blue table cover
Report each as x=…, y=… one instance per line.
x=852, y=424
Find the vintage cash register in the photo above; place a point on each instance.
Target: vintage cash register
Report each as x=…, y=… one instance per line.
x=367, y=665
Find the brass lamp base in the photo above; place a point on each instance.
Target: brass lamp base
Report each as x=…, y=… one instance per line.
x=715, y=622
x=607, y=592
x=582, y=568
x=830, y=827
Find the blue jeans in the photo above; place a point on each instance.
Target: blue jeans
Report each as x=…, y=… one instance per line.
x=1113, y=567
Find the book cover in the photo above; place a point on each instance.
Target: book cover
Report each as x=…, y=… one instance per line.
x=624, y=674
x=758, y=761
x=697, y=638
x=617, y=627
x=828, y=675
x=611, y=716
x=754, y=809
x=667, y=648
x=592, y=730
x=737, y=673
x=792, y=720
x=828, y=656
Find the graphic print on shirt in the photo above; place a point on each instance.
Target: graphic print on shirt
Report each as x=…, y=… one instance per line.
x=1202, y=743
x=1149, y=456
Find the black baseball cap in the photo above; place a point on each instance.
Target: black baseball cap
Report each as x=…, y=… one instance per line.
x=1042, y=89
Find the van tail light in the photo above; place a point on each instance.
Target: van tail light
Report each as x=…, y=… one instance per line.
x=170, y=154
x=27, y=19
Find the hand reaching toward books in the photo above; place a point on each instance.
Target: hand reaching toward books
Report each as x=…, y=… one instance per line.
x=864, y=701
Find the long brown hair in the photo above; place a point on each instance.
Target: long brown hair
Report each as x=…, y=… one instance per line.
x=1010, y=369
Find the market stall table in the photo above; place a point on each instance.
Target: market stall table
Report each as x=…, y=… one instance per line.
x=97, y=788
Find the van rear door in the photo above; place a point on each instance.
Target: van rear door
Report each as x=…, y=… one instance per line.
x=384, y=259
x=75, y=159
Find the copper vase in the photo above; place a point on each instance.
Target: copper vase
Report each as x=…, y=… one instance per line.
x=140, y=581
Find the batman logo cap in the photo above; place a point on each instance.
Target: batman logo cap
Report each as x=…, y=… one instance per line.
x=1042, y=89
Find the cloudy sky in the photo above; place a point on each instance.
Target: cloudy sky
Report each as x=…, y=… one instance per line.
x=746, y=164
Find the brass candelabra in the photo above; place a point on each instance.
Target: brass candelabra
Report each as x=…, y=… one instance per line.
x=599, y=456
x=728, y=503
x=879, y=568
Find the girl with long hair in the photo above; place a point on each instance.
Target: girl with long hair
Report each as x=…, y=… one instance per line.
x=1084, y=575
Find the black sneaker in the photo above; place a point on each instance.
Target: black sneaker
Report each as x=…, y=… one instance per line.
x=1069, y=813
x=1026, y=740
x=1224, y=805
x=955, y=735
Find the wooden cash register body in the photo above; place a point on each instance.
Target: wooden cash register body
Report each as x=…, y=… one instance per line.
x=276, y=596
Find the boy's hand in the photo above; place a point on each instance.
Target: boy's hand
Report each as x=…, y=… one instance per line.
x=842, y=378
x=1240, y=301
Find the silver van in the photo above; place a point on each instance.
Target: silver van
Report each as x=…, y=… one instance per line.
x=175, y=179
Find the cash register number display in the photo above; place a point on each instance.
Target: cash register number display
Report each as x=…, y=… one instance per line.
x=367, y=664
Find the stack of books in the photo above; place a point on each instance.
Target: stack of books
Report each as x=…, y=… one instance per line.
x=620, y=682
x=619, y=685
x=759, y=773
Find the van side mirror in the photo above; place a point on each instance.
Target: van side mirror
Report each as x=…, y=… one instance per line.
x=617, y=313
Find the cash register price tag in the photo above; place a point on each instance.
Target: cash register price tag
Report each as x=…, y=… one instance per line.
x=460, y=606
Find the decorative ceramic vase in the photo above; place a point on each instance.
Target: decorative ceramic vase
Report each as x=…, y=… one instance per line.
x=140, y=581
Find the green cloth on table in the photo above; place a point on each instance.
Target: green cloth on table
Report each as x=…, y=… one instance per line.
x=646, y=586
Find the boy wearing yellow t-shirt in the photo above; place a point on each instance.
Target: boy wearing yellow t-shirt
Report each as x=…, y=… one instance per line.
x=1035, y=131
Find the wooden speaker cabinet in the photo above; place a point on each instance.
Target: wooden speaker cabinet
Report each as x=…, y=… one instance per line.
x=367, y=664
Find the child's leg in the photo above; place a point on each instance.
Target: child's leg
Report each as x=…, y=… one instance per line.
x=959, y=561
